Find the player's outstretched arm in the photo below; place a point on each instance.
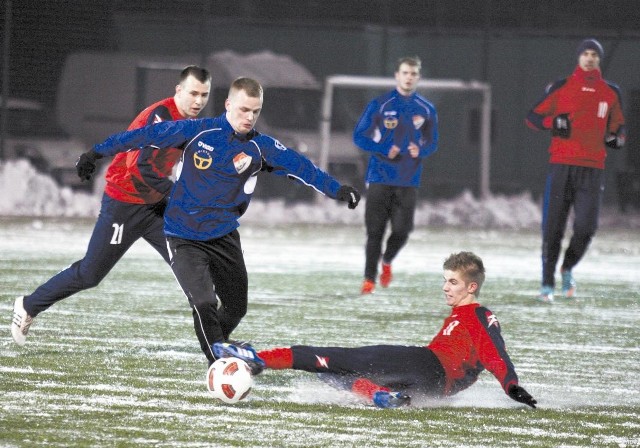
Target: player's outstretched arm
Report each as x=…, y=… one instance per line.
x=283, y=161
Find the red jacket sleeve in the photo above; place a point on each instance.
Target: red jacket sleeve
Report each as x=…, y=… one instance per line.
x=541, y=114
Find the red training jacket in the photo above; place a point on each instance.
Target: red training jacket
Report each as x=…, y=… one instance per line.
x=469, y=342
x=141, y=176
x=594, y=109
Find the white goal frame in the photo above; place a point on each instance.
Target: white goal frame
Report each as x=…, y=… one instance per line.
x=349, y=81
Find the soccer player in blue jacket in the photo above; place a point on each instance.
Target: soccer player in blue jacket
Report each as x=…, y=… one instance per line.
x=398, y=129
x=222, y=158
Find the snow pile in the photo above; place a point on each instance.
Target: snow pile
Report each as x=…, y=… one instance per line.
x=27, y=192
x=516, y=212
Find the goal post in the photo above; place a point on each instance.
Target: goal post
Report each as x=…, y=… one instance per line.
x=359, y=82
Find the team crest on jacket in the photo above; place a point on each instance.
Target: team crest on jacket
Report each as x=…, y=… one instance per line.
x=491, y=319
x=202, y=159
x=418, y=121
x=241, y=162
x=279, y=145
x=390, y=119
x=390, y=123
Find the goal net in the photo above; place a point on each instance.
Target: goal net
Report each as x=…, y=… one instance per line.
x=464, y=115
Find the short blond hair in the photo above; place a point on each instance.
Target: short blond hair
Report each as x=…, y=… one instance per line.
x=250, y=86
x=413, y=61
x=469, y=265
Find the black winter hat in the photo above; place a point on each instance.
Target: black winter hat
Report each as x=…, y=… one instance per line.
x=591, y=44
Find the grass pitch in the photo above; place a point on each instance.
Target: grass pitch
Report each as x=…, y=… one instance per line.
x=119, y=365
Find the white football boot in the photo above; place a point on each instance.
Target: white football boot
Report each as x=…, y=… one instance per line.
x=20, y=323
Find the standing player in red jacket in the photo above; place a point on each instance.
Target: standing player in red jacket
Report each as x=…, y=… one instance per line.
x=388, y=375
x=584, y=113
x=132, y=205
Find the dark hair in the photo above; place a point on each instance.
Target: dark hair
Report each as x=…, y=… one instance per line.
x=413, y=61
x=201, y=74
x=469, y=264
x=251, y=87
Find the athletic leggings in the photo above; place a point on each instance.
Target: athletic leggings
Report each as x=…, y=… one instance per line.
x=402, y=368
x=569, y=186
x=386, y=203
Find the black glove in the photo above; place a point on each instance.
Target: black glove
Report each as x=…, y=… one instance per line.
x=614, y=141
x=561, y=126
x=348, y=194
x=86, y=164
x=520, y=395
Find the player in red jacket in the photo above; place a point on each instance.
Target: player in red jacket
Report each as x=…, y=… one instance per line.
x=584, y=113
x=388, y=375
x=132, y=206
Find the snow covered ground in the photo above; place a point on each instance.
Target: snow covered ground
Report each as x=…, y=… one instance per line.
x=119, y=363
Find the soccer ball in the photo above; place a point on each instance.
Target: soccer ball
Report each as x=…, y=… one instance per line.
x=229, y=380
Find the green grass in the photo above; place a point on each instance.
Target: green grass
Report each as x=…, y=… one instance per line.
x=119, y=365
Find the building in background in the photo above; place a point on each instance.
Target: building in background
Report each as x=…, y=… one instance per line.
x=514, y=46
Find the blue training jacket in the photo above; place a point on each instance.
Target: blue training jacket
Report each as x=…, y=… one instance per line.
x=396, y=119
x=219, y=171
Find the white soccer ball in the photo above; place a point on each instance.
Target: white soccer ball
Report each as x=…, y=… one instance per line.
x=229, y=380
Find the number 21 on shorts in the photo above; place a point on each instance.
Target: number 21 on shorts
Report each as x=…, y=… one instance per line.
x=118, y=230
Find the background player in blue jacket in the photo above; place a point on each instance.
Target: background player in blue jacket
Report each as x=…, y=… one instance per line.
x=221, y=158
x=399, y=129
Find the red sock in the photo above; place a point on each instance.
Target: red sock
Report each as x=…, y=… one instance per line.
x=277, y=358
x=366, y=388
